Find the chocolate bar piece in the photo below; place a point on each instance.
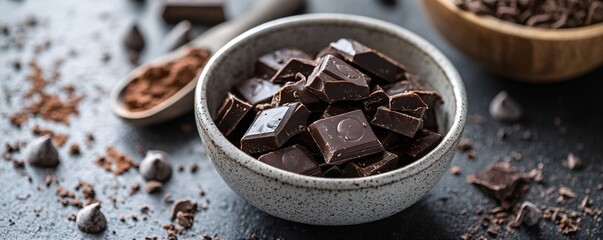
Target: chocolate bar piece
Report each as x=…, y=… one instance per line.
x=336, y=109
x=297, y=92
x=196, y=11
x=409, y=103
x=334, y=80
x=370, y=60
x=288, y=72
x=269, y=64
x=272, y=127
x=371, y=165
x=423, y=142
x=345, y=137
x=376, y=99
x=389, y=140
x=257, y=90
x=295, y=159
x=231, y=113
x=397, y=122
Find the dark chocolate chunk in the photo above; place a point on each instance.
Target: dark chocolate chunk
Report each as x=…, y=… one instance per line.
x=370, y=60
x=196, y=11
x=42, y=153
x=389, y=140
x=500, y=180
x=334, y=80
x=371, y=165
x=423, y=142
x=297, y=92
x=327, y=51
x=409, y=103
x=269, y=64
x=90, y=219
x=336, y=109
x=156, y=166
x=273, y=127
x=376, y=99
x=257, y=90
x=133, y=39
x=397, y=122
x=231, y=113
x=305, y=139
x=183, y=205
x=289, y=71
x=345, y=137
x=504, y=108
x=295, y=159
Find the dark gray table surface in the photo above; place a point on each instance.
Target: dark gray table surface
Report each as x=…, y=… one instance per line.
x=92, y=28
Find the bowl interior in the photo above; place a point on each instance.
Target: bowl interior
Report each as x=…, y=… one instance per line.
x=235, y=62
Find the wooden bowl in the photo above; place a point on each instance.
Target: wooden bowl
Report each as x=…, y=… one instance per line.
x=516, y=51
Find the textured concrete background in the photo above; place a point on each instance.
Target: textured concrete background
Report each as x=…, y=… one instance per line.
x=93, y=28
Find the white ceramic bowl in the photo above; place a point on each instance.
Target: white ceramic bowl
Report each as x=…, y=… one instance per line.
x=324, y=201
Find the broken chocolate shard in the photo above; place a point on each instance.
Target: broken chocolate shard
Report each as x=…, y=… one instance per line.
x=183, y=205
x=504, y=108
x=297, y=92
x=90, y=219
x=257, y=90
x=409, y=103
x=500, y=180
x=294, y=66
x=296, y=159
x=376, y=99
x=231, y=113
x=42, y=153
x=344, y=137
x=423, y=142
x=133, y=39
x=269, y=64
x=370, y=60
x=371, y=165
x=196, y=11
x=273, y=127
x=156, y=166
x=397, y=122
x=334, y=80
x=573, y=162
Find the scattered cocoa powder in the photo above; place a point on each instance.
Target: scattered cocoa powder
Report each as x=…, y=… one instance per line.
x=87, y=191
x=158, y=83
x=59, y=139
x=115, y=161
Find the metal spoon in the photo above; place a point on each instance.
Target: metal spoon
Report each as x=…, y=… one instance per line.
x=212, y=40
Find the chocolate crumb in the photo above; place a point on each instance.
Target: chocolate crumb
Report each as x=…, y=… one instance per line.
x=566, y=192
x=72, y=217
x=455, y=170
x=152, y=186
x=134, y=217
x=47, y=180
x=74, y=149
x=134, y=188
x=167, y=198
x=115, y=161
x=122, y=217
x=573, y=162
x=59, y=139
x=194, y=168
x=529, y=214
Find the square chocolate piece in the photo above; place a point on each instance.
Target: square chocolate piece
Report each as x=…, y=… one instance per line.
x=409, y=103
x=231, y=113
x=345, y=137
x=293, y=159
x=294, y=66
x=376, y=99
x=370, y=60
x=257, y=90
x=371, y=165
x=423, y=142
x=334, y=80
x=272, y=127
x=270, y=63
x=397, y=122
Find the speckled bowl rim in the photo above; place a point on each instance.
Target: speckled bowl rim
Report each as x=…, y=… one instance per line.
x=233, y=153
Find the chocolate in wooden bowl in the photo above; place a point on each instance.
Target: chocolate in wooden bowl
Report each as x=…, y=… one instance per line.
x=516, y=51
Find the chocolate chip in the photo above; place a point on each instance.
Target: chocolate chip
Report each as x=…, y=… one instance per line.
x=504, y=108
x=133, y=39
x=42, y=153
x=529, y=214
x=156, y=166
x=90, y=219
